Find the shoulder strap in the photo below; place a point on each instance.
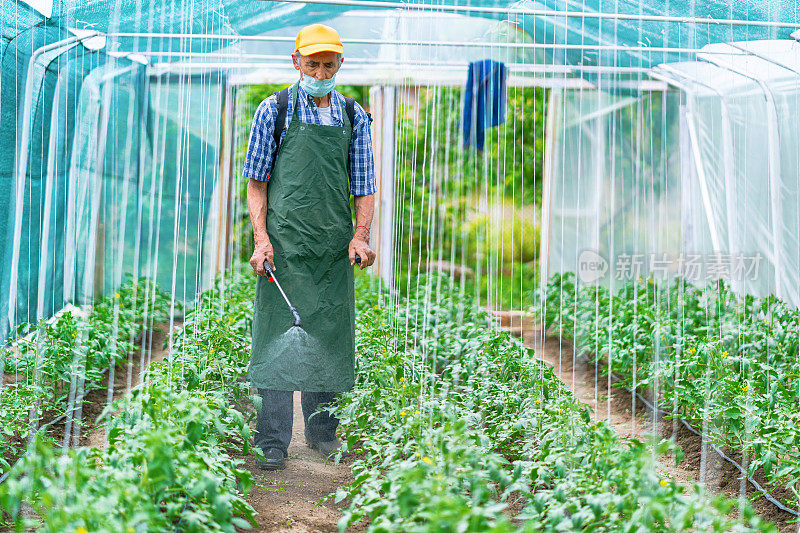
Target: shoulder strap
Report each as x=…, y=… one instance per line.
x=280, y=121
x=350, y=109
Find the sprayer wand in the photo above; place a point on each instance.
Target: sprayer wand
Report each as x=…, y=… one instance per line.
x=296, y=321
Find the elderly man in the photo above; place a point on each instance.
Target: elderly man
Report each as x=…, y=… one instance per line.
x=310, y=148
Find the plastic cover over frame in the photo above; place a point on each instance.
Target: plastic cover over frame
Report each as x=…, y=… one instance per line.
x=726, y=194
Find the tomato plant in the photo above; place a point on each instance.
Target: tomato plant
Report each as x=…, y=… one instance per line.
x=454, y=421
x=726, y=363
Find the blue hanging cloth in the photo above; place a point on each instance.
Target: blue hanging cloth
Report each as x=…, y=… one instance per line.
x=484, y=100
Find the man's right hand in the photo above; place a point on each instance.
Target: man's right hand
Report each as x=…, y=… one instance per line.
x=262, y=251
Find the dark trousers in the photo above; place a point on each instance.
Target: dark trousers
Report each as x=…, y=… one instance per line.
x=274, y=421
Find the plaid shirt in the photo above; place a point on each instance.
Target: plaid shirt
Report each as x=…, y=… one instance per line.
x=260, y=156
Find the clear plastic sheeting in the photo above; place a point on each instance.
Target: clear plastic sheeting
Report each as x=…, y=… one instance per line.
x=394, y=45
x=708, y=185
x=613, y=184
x=118, y=143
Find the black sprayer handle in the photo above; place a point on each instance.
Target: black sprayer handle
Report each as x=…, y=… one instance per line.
x=358, y=259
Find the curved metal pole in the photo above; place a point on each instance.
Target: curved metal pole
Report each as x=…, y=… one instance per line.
x=516, y=67
x=534, y=46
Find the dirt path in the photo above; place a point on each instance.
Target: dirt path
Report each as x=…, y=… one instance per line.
x=288, y=500
x=634, y=420
x=126, y=376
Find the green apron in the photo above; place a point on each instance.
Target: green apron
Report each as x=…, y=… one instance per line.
x=310, y=226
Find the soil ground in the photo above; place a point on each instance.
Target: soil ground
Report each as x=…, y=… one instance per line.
x=632, y=419
x=289, y=500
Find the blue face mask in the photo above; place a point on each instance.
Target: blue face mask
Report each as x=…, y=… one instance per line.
x=316, y=87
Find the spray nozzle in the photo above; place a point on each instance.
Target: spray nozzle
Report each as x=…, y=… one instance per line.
x=296, y=317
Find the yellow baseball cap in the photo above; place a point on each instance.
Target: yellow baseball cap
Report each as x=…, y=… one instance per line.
x=318, y=38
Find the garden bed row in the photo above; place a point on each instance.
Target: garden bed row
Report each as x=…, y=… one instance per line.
x=169, y=461
x=456, y=427
x=58, y=364
x=460, y=428
x=726, y=364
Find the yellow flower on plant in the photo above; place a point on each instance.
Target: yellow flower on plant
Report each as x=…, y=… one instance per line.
x=746, y=388
x=664, y=482
x=74, y=334
x=116, y=295
x=130, y=530
x=418, y=454
x=427, y=459
x=724, y=355
x=375, y=306
x=81, y=529
x=416, y=412
x=691, y=351
x=402, y=380
x=538, y=401
x=402, y=413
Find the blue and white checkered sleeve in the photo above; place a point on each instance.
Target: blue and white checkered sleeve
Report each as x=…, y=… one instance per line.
x=261, y=146
x=362, y=163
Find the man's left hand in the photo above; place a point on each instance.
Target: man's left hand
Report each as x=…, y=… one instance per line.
x=360, y=247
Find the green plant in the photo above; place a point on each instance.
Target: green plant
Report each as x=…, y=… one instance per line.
x=454, y=421
x=726, y=363
x=168, y=464
x=71, y=351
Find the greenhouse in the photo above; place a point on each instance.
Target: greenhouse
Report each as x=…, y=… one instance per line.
x=506, y=266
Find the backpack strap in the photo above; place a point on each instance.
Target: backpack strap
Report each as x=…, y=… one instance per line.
x=350, y=109
x=282, y=97
x=280, y=121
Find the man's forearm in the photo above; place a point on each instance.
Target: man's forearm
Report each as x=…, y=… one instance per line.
x=365, y=208
x=257, y=205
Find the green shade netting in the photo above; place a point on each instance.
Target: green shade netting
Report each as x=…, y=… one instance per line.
x=257, y=17
x=125, y=161
x=96, y=204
